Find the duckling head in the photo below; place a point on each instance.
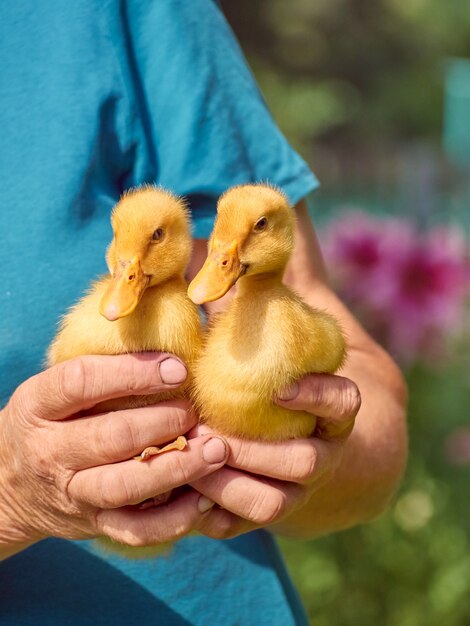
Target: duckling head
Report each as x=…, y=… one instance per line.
x=253, y=236
x=151, y=244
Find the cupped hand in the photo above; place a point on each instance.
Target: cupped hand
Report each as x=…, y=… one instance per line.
x=67, y=474
x=265, y=482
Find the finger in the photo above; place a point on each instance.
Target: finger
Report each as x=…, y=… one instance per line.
x=335, y=400
x=80, y=383
x=296, y=460
x=131, y=482
x=166, y=522
x=222, y=524
x=261, y=501
x=120, y=435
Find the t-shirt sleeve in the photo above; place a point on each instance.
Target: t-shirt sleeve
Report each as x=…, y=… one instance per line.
x=206, y=122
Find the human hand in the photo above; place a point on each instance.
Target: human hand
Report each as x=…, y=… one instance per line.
x=66, y=474
x=266, y=482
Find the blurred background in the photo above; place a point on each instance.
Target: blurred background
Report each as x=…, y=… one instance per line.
x=375, y=94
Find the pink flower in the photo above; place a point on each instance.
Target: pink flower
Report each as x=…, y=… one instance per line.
x=354, y=240
x=408, y=288
x=427, y=288
x=457, y=446
x=358, y=247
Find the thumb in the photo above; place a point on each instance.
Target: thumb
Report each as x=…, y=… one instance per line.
x=335, y=401
x=80, y=383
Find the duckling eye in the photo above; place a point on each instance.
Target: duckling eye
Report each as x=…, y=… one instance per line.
x=261, y=224
x=157, y=234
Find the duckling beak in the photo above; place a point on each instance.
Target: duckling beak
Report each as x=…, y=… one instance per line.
x=219, y=273
x=125, y=290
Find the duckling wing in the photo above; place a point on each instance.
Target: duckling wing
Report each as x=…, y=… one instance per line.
x=251, y=354
x=82, y=330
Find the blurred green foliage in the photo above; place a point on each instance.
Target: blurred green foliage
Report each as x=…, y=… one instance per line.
x=352, y=71
x=411, y=567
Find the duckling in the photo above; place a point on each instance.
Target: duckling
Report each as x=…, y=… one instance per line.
x=142, y=305
x=268, y=336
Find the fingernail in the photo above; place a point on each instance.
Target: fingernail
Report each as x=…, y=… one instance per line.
x=204, y=504
x=172, y=371
x=214, y=450
x=289, y=393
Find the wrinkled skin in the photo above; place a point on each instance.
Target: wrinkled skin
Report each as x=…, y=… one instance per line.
x=65, y=474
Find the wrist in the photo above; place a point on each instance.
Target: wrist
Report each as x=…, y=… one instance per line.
x=15, y=534
x=14, y=537
x=10, y=549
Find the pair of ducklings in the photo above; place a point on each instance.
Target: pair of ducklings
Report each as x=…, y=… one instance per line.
x=266, y=339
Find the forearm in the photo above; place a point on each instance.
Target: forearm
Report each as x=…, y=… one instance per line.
x=375, y=453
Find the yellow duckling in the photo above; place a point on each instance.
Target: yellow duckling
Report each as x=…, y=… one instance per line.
x=142, y=305
x=268, y=337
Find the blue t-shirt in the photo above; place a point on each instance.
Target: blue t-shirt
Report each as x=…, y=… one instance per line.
x=97, y=96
